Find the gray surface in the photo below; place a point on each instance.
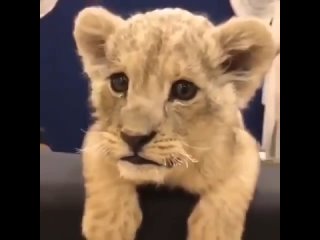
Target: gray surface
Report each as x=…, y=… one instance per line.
x=60, y=178
x=268, y=189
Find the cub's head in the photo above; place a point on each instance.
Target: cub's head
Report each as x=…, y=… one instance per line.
x=167, y=85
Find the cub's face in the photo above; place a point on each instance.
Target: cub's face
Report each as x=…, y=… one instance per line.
x=167, y=85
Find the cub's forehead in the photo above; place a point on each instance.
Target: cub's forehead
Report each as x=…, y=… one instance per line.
x=169, y=26
x=161, y=32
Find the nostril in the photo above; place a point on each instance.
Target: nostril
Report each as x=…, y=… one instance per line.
x=136, y=142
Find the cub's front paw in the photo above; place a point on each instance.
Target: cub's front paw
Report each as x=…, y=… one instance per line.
x=108, y=218
x=111, y=226
x=212, y=221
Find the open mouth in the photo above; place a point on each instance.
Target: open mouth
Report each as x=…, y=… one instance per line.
x=135, y=159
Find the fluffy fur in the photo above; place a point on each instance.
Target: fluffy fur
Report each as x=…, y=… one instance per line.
x=203, y=139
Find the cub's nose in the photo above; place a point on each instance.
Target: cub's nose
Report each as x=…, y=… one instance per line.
x=136, y=142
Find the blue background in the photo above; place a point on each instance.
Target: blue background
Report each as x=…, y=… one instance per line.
x=64, y=112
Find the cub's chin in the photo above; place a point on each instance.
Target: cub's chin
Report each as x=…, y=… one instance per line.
x=140, y=170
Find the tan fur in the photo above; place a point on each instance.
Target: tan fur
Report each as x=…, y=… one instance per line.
x=205, y=137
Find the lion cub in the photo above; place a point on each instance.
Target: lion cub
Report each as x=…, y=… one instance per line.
x=167, y=87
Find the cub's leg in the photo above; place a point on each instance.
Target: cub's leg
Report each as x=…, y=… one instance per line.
x=218, y=216
x=220, y=213
x=112, y=214
x=112, y=209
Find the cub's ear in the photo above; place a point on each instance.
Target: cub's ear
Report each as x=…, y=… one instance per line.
x=248, y=50
x=93, y=26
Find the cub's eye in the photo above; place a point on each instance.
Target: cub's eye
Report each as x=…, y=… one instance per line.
x=119, y=82
x=183, y=90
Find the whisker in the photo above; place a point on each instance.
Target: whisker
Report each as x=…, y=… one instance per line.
x=191, y=159
x=174, y=160
x=82, y=130
x=187, y=164
x=101, y=147
x=185, y=156
x=171, y=162
x=78, y=150
x=178, y=161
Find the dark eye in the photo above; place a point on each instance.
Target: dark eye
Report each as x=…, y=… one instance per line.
x=183, y=90
x=119, y=82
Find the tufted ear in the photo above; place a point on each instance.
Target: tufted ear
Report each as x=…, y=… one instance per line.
x=248, y=49
x=93, y=26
